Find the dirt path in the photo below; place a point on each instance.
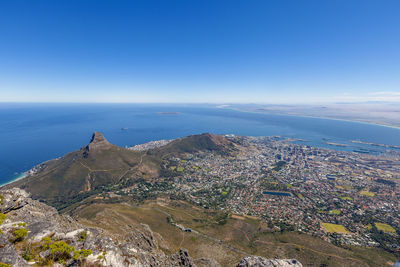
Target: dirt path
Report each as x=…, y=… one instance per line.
x=220, y=242
x=131, y=168
x=91, y=170
x=183, y=239
x=190, y=215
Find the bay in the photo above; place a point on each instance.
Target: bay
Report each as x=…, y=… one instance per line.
x=33, y=133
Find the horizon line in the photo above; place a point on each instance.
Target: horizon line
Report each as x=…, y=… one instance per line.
x=201, y=103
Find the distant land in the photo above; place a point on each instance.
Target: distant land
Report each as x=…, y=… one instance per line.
x=381, y=113
x=168, y=113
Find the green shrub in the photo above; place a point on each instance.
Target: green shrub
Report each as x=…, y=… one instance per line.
x=60, y=250
x=19, y=234
x=28, y=251
x=85, y=253
x=82, y=254
x=4, y=265
x=102, y=257
x=28, y=256
x=46, y=241
x=3, y=217
x=82, y=236
x=77, y=255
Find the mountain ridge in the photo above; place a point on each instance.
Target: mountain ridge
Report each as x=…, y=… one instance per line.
x=100, y=165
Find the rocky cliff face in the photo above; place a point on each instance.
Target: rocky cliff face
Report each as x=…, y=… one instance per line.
x=253, y=261
x=33, y=233
x=57, y=239
x=98, y=142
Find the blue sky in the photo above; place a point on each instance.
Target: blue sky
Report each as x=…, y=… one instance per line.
x=199, y=51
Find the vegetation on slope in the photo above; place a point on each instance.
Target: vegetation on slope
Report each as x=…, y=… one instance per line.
x=100, y=165
x=196, y=143
x=225, y=242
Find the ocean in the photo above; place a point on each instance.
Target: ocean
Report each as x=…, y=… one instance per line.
x=33, y=133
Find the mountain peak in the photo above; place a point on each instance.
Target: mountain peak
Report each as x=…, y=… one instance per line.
x=98, y=142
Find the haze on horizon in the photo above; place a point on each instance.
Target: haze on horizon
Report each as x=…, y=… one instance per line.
x=200, y=51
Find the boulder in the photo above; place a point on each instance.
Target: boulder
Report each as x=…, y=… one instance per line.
x=254, y=261
x=8, y=253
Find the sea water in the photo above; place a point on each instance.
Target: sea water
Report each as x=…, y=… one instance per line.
x=33, y=133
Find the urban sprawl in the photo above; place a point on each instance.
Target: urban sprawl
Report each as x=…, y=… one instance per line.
x=342, y=197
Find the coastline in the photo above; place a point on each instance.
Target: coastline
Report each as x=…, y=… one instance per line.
x=19, y=177
x=314, y=117
x=16, y=177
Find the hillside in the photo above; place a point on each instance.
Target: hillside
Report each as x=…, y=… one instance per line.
x=204, y=235
x=34, y=234
x=93, y=167
x=100, y=165
x=196, y=143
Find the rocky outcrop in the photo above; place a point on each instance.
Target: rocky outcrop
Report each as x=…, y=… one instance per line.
x=253, y=261
x=13, y=200
x=183, y=259
x=98, y=142
x=38, y=219
x=41, y=218
x=43, y=223
x=33, y=232
x=8, y=253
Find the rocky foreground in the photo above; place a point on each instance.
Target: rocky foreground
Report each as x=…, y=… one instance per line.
x=33, y=233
